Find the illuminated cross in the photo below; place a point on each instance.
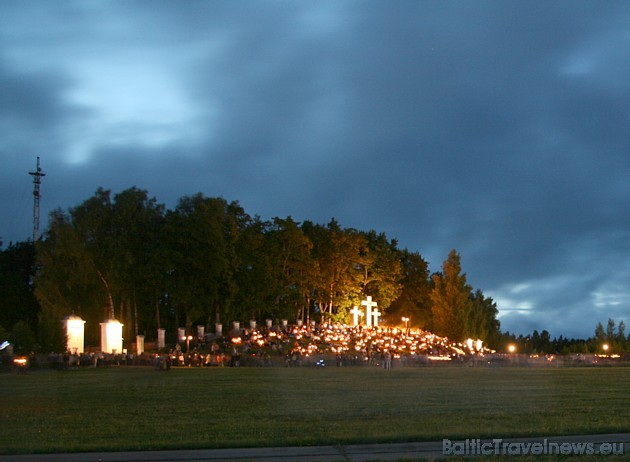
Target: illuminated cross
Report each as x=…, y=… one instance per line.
x=368, y=303
x=356, y=312
x=376, y=313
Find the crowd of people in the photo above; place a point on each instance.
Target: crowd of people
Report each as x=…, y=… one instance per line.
x=291, y=346
x=71, y=360
x=313, y=346
x=300, y=345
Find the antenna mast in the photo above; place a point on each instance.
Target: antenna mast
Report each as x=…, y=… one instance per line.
x=37, y=180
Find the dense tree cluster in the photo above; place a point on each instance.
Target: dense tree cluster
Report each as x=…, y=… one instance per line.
x=208, y=261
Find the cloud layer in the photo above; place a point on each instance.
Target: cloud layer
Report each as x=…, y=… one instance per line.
x=496, y=128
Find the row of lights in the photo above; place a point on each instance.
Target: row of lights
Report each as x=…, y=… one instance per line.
x=512, y=348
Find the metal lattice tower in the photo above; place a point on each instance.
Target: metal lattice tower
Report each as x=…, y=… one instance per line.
x=37, y=180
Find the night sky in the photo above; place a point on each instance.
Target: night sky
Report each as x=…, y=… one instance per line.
x=498, y=128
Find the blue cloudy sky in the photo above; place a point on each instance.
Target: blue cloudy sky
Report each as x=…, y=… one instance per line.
x=499, y=128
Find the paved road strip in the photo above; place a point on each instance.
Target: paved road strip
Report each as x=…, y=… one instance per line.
x=350, y=453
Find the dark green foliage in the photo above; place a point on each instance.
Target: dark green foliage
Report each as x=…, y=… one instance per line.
x=458, y=312
x=52, y=337
x=452, y=305
x=17, y=300
x=201, y=238
x=125, y=256
x=414, y=301
x=22, y=338
x=482, y=321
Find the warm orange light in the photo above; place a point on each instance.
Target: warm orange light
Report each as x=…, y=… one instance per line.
x=511, y=348
x=111, y=336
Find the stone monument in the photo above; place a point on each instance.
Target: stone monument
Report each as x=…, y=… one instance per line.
x=111, y=336
x=139, y=344
x=161, y=338
x=75, y=331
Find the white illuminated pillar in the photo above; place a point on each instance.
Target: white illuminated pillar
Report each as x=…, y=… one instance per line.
x=111, y=336
x=139, y=344
x=161, y=338
x=75, y=329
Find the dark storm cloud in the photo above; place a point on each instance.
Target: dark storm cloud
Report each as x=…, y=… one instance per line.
x=496, y=128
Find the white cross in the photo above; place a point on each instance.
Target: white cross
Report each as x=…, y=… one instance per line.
x=368, y=303
x=355, y=313
x=376, y=313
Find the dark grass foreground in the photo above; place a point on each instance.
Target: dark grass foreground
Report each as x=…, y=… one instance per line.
x=131, y=408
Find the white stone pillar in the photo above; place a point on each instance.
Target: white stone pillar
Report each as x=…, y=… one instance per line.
x=111, y=336
x=139, y=344
x=161, y=338
x=75, y=334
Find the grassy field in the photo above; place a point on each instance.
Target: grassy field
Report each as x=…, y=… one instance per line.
x=132, y=408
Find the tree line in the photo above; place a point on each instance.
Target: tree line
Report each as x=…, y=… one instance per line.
x=126, y=256
x=207, y=261
x=613, y=337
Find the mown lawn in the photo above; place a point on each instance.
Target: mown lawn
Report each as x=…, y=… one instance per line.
x=133, y=408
